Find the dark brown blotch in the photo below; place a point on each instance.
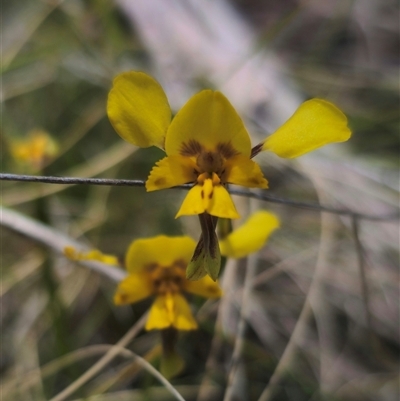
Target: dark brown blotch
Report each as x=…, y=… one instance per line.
x=226, y=150
x=191, y=148
x=160, y=181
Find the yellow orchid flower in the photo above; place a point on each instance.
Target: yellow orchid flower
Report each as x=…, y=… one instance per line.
x=156, y=266
x=207, y=143
x=35, y=149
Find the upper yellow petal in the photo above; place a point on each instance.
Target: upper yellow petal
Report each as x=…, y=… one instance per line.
x=208, y=120
x=251, y=236
x=241, y=170
x=205, y=287
x=160, y=250
x=138, y=109
x=133, y=288
x=314, y=124
x=171, y=171
x=170, y=310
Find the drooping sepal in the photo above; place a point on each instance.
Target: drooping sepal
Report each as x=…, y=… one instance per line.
x=207, y=256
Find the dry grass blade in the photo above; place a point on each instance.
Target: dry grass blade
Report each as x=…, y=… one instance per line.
x=54, y=240
x=102, y=362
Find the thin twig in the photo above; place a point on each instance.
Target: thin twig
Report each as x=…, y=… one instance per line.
x=310, y=306
x=250, y=194
x=71, y=180
x=236, y=361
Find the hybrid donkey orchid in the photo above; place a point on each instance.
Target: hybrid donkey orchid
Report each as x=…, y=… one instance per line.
x=207, y=144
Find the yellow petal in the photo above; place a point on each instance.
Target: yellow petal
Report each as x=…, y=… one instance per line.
x=251, y=236
x=170, y=310
x=160, y=250
x=193, y=202
x=183, y=318
x=204, y=287
x=210, y=120
x=221, y=204
x=138, y=109
x=171, y=171
x=133, y=288
x=71, y=253
x=159, y=317
x=241, y=170
x=101, y=257
x=198, y=201
x=315, y=123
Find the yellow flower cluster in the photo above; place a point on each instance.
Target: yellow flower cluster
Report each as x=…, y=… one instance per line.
x=208, y=146
x=156, y=267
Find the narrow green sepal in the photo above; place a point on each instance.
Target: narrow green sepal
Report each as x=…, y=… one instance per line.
x=207, y=256
x=195, y=270
x=212, y=262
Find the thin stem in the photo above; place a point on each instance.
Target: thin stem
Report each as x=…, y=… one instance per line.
x=391, y=217
x=71, y=180
x=102, y=362
x=361, y=267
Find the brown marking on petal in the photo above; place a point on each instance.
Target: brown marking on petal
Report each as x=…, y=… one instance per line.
x=180, y=264
x=151, y=267
x=209, y=162
x=256, y=150
x=160, y=181
x=191, y=148
x=256, y=181
x=226, y=150
x=123, y=298
x=202, y=194
x=211, y=195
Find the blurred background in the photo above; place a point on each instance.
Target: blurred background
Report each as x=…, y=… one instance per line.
x=318, y=319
